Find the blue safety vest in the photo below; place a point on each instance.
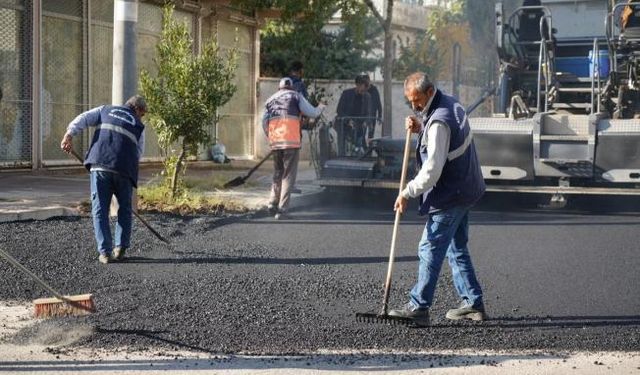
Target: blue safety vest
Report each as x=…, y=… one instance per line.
x=461, y=182
x=115, y=142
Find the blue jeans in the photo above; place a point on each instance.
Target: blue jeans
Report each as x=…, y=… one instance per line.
x=103, y=186
x=446, y=233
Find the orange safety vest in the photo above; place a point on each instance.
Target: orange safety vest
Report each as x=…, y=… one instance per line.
x=284, y=132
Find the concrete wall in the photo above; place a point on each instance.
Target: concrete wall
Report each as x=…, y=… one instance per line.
x=333, y=89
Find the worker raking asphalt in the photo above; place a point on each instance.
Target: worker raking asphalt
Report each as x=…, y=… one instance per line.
x=228, y=285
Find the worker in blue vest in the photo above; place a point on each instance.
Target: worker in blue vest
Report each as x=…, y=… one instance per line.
x=448, y=183
x=112, y=159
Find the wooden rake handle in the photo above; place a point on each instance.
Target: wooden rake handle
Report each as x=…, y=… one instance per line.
x=396, y=223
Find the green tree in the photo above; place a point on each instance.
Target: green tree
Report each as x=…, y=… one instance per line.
x=184, y=97
x=301, y=33
x=332, y=55
x=420, y=55
x=468, y=23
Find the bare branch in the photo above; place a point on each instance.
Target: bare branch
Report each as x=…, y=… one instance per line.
x=389, y=13
x=376, y=14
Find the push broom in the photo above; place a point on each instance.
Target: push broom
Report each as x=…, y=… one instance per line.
x=383, y=316
x=136, y=214
x=60, y=305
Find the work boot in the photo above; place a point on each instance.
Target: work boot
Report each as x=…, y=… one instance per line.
x=466, y=311
x=282, y=215
x=104, y=258
x=419, y=317
x=272, y=208
x=118, y=253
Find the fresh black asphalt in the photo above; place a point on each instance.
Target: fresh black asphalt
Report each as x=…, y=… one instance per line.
x=553, y=279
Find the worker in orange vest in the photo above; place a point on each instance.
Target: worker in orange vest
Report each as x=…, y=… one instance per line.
x=281, y=122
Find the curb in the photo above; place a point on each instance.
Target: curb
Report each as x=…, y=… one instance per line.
x=297, y=201
x=37, y=214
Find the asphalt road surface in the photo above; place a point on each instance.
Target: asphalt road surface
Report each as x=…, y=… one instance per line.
x=553, y=279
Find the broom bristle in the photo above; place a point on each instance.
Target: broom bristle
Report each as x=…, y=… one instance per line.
x=55, y=307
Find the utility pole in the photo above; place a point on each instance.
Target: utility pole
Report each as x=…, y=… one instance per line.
x=125, y=75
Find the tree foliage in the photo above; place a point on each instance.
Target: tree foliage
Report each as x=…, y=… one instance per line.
x=468, y=23
x=418, y=55
x=301, y=34
x=341, y=54
x=184, y=97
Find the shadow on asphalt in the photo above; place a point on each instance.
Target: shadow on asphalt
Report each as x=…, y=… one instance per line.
x=153, y=335
x=257, y=260
x=563, y=321
x=493, y=202
x=343, y=363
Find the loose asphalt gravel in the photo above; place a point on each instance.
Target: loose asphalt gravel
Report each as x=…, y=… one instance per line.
x=248, y=284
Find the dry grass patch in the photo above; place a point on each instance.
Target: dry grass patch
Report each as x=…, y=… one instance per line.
x=190, y=200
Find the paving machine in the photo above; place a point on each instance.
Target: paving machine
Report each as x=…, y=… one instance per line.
x=567, y=107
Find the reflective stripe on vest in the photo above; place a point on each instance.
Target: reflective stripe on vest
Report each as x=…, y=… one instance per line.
x=284, y=132
x=119, y=129
x=453, y=154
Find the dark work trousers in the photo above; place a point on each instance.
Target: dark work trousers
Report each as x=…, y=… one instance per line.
x=285, y=169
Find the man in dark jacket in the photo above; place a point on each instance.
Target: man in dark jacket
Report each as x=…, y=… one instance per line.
x=296, y=71
x=354, y=118
x=376, y=103
x=448, y=183
x=112, y=159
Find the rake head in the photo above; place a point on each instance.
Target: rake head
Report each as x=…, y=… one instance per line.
x=383, y=319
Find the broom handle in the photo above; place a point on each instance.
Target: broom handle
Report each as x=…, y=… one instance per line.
x=33, y=276
x=396, y=222
x=135, y=213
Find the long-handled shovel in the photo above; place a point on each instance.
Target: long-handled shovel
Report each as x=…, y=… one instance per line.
x=241, y=179
x=136, y=214
x=383, y=316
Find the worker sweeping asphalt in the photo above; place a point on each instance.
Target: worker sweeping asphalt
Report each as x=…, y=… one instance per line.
x=112, y=159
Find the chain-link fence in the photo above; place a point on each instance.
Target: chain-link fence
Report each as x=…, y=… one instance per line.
x=15, y=83
x=63, y=74
x=75, y=74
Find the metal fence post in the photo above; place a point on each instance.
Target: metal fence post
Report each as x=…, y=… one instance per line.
x=36, y=85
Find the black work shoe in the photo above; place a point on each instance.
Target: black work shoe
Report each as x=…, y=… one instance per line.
x=118, y=253
x=465, y=311
x=419, y=317
x=282, y=215
x=272, y=209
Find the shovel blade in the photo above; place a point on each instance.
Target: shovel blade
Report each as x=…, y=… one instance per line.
x=235, y=182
